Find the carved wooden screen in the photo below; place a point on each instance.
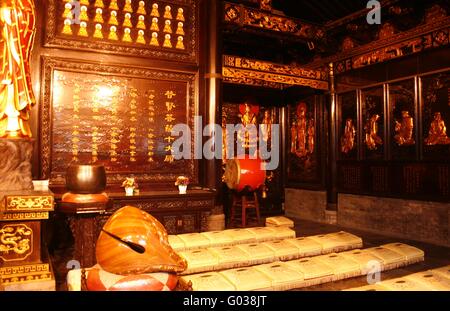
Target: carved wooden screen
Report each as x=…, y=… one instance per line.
x=436, y=116
x=304, y=143
x=120, y=117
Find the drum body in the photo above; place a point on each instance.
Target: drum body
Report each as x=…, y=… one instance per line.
x=242, y=173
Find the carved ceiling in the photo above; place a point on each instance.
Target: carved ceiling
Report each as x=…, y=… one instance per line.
x=322, y=28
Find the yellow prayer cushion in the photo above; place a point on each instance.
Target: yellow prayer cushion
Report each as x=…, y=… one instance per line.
x=230, y=256
x=306, y=246
x=283, y=249
x=262, y=234
x=388, y=256
x=431, y=279
x=405, y=284
x=258, y=252
x=342, y=266
x=176, y=243
x=199, y=260
x=246, y=279
x=241, y=236
x=282, y=276
x=194, y=240
x=410, y=252
x=211, y=281
x=277, y=221
x=311, y=268
x=366, y=260
x=347, y=239
x=443, y=271
x=217, y=238
x=283, y=233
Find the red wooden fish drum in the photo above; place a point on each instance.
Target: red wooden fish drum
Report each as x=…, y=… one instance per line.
x=241, y=173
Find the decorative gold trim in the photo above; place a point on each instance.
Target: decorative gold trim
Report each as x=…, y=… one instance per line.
x=254, y=72
x=24, y=216
x=423, y=37
x=260, y=19
x=26, y=273
x=17, y=239
x=27, y=203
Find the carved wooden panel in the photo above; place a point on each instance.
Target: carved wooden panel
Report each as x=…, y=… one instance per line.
x=373, y=122
x=403, y=121
x=436, y=116
x=380, y=179
x=303, y=146
x=348, y=126
x=350, y=178
x=157, y=29
x=117, y=116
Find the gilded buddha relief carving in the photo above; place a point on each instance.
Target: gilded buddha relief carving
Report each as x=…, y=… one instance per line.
x=304, y=147
x=249, y=118
x=348, y=138
x=348, y=117
x=302, y=132
x=372, y=138
x=404, y=130
x=437, y=134
x=436, y=115
x=373, y=122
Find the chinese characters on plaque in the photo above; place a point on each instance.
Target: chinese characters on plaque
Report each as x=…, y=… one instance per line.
x=122, y=123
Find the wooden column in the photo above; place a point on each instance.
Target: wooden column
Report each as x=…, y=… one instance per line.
x=332, y=156
x=213, y=76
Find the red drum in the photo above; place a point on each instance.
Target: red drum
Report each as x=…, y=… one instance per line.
x=240, y=173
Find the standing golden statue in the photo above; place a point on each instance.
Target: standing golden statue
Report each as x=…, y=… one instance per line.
x=249, y=118
x=372, y=139
x=437, y=135
x=348, y=138
x=17, y=25
x=405, y=130
x=303, y=132
x=267, y=125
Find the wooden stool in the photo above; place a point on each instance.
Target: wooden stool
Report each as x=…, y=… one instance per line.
x=244, y=202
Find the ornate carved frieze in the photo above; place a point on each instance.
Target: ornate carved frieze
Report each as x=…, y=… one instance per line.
x=27, y=203
x=391, y=46
x=264, y=20
x=26, y=273
x=260, y=73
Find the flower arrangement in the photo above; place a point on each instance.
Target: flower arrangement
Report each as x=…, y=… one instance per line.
x=182, y=181
x=129, y=182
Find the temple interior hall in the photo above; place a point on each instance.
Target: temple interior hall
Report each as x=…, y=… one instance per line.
x=224, y=145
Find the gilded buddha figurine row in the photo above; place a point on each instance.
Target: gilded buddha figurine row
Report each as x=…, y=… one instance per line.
x=113, y=7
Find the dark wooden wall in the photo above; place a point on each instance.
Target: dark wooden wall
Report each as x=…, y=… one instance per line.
x=55, y=51
x=417, y=170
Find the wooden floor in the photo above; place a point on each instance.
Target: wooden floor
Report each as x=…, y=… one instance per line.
x=435, y=256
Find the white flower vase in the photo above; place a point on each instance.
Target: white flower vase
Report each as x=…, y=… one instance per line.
x=182, y=189
x=129, y=191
